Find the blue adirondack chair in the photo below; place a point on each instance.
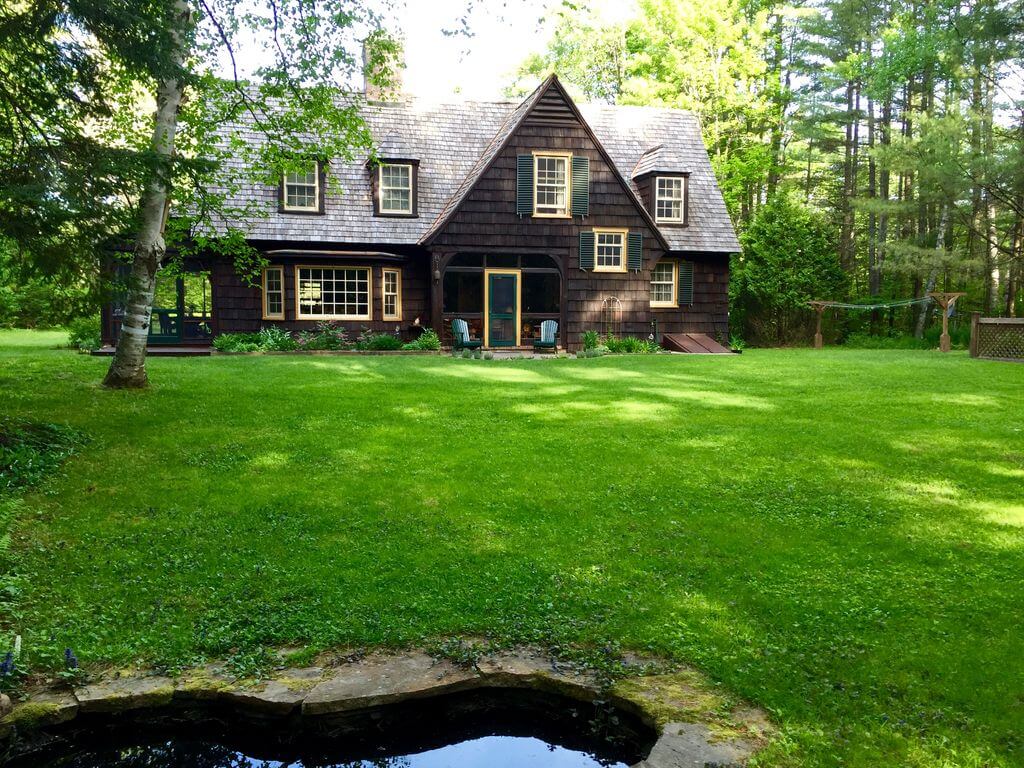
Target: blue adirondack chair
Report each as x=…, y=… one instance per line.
x=548, y=336
x=460, y=334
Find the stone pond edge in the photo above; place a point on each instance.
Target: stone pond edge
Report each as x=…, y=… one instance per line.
x=380, y=679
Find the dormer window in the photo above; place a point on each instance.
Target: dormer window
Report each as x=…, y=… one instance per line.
x=395, y=193
x=395, y=188
x=300, y=190
x=669, y=203
x=551, y=185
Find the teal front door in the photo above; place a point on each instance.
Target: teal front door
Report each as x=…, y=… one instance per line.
x=502, y=308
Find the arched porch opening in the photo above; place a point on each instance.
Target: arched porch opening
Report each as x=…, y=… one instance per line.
x=502, y=297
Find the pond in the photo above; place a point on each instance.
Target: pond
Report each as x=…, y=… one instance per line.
x=491, y=728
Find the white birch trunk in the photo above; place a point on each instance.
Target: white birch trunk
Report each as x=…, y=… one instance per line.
x=128, y=368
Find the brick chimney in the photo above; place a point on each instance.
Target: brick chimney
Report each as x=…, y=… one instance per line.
x=382, y=68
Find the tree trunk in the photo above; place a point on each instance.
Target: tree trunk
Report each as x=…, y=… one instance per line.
x=933, y=274
x=128, y=368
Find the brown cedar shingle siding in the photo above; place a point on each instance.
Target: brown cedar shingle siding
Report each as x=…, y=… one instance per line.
x=239, y=306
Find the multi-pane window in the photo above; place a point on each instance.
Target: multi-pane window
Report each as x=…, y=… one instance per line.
x=333, y=294
x=302, y=189
x=395, y=188
x=551, y=185
x=609, y=251
x=392, y=294
x=273, y=293
x=663, y=284
x=669, y=200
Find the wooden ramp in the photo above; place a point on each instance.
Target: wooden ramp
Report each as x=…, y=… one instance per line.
x=696, y=343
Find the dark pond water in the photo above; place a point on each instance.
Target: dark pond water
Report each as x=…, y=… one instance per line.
x=484, y=752
x=479, y=729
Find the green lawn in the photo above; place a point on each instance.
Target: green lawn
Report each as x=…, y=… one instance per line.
x=836, y=536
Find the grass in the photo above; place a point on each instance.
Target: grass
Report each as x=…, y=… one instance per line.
x=835, y=536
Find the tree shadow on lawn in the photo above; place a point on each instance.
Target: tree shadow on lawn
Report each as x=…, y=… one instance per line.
x=837, y=549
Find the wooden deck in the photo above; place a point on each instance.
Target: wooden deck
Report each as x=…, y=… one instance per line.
x=161, y=351
x=694, y=343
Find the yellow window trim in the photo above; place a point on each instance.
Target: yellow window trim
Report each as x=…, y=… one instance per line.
x=568, y=185
x=624, y=261
x=266, y=314
x=383, y=294
x=675, y=287
x=316, y=192
x=682, y=200
x=369, y=292
x=380, y=188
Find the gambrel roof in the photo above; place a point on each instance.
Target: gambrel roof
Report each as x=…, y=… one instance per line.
x=456, y=142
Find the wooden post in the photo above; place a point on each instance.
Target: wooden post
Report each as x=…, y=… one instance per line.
x=946, y=301
x=819, y=307
x=975, y=322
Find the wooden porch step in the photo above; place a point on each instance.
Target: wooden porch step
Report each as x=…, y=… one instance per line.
x=695, y=343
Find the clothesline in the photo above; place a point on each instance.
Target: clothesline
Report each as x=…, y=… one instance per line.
x=883, y=305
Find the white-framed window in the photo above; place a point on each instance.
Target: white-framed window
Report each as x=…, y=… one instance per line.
x=610, y=250
x=668, y=202
x=273, y=293
x=551, y=184
x=663, y=284
x=392, y=285
x=395, y=187
x=332, y=293
x=302, y=189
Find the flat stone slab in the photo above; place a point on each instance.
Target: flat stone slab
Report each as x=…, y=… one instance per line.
x=692, y=745
x=125, y=693
x=280, y=696
x=379, y=680
x=44, y=708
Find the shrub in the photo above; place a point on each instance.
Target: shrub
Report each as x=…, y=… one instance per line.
x=427, y=340
x=237, y=342
x=276, y=339
x=590, y=339
x=630, y=345
x=84, y=334
x=737, y=344
x=326, y=335
x=378, y=341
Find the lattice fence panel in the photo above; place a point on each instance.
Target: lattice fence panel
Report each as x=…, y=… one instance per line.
x=1001, y=340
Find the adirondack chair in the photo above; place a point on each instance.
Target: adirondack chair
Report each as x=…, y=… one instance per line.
x=548, y=336
x=460, y=335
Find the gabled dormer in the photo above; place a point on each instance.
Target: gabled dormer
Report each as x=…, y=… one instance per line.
x=663, y=182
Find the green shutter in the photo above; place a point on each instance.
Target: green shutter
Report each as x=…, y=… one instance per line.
x=685, y=283
x=524, y=185
x=586, y=250
x=580, y=185
x=636, y=251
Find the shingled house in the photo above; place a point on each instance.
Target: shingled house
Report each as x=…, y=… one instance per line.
x=600, y=217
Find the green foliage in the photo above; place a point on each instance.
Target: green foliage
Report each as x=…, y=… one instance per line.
x=326, y=336
x=31, y=450
x=630, y=345
x=736, y=343
x=788, y=259
x=237, y=342
x=84, y=334
x=428, y=340
x=276, y=339
x=591, y=339
x=378, y=341
x=960, y=338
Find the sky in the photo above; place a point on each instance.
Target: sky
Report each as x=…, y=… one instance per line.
x=504, y=32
